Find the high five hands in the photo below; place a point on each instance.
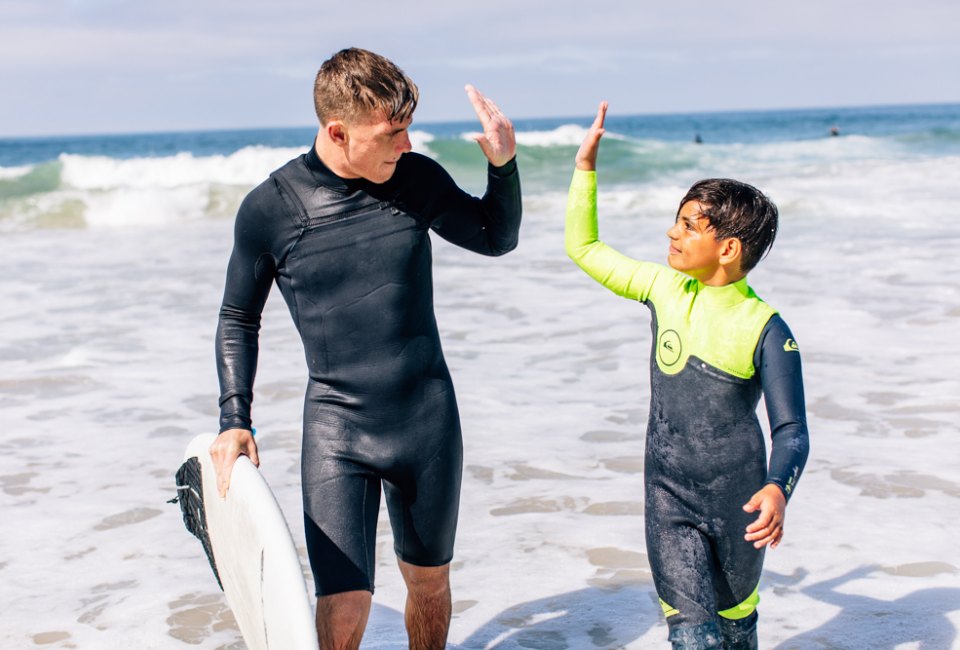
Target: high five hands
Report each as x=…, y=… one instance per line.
x=497, y=141
x=587, y=154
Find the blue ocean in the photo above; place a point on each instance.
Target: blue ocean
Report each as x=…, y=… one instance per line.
x=83, y=180
x=113, y=252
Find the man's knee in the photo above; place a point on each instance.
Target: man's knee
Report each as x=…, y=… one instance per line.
x=343, y=607
x=425, y=581
x=342, y=618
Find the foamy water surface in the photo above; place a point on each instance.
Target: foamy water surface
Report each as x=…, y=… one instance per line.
x=106, y=344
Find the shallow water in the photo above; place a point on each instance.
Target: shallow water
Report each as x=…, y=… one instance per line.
x=106, y=372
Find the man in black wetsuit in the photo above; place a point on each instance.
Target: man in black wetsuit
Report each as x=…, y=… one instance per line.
x=343, y=231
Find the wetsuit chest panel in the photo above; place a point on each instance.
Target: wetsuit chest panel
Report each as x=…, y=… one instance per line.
x=703, y=427
x=362, y=293
x=719, y=325
x=358, y=285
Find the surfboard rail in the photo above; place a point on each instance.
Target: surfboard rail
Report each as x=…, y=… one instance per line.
x=253, y=554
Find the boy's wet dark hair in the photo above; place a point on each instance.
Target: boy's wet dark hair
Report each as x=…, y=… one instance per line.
x=735, y=209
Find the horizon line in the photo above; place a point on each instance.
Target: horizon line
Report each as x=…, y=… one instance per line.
x=189, y=130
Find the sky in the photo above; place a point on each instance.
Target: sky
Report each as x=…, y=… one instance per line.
x=115, y=66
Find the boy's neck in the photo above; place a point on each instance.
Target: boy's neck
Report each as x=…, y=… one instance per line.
x=723, y=276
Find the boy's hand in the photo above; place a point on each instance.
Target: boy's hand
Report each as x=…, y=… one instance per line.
x=768, y=528
x=230, y=445
x=587, y=154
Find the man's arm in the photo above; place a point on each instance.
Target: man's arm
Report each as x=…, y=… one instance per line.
x=250, y=274
x=778, y=362
x=489, y=225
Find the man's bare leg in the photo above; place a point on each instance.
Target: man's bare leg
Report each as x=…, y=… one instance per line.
x=428, y=605
x=341, y=619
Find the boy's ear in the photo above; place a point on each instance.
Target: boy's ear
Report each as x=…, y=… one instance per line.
x=730, y=250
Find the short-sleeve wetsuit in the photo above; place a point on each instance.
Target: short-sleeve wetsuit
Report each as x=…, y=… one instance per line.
x=715, y=349
x=353, y=262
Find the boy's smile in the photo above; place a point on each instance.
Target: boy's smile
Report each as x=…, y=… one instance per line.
x=694, y=249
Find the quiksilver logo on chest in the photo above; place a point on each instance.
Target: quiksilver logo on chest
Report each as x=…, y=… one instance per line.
x=669, y=347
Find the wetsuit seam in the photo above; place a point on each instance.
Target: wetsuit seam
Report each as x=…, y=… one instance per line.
x=366, y=548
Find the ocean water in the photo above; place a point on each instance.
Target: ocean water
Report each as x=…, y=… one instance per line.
x=112, y=259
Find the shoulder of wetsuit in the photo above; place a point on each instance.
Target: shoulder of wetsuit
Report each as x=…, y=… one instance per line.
x=415, y=167
x=260, y=207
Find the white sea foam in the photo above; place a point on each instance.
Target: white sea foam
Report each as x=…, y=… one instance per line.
x=107, y=372
x=420, y=141
x=100, y=191
x=567, y=135
x=247, y=166
x=15, y=172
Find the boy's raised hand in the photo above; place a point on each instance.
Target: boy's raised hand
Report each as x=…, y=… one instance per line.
x=768, y=528
x=587, y=154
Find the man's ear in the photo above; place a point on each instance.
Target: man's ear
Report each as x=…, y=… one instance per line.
x=336, y=132
x=731, y=249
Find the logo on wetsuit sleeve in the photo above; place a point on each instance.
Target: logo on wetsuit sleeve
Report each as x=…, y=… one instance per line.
x=791, y=346
x=669, y=347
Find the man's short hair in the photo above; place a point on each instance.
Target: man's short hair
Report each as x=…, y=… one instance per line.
x=735, y=209
x=354, y=83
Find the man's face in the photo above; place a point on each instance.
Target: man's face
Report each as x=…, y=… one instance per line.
x=374, y=145
x=693, y=248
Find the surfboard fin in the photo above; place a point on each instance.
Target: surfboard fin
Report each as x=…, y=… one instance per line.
x=190, y=498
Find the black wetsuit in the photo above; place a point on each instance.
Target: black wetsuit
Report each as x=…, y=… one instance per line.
x=715, y=350
x=353, y=262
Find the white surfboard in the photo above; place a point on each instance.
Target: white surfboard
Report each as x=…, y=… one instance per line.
x=254, y=556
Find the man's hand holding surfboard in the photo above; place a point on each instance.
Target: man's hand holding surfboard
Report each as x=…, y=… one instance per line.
x=230, y=445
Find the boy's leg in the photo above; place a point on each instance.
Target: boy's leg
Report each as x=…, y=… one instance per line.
x=739, y=634
x=738, y=587
x=696, y=637
x=680, y=560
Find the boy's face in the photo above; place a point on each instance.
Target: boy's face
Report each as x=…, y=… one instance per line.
x=693, y=248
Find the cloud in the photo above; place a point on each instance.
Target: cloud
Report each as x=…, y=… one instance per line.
x=533, y=54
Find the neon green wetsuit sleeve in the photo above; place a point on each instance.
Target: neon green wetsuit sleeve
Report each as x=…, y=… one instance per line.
x=623, y=275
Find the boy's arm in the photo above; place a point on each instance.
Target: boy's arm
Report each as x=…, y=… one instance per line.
x=782, y=382
x=778, y=361
x=624, y=276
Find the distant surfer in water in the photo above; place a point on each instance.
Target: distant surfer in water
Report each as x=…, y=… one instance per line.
x=716, y=348
x=343, y=231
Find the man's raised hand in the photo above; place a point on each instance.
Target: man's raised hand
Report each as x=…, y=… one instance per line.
x=498, y=142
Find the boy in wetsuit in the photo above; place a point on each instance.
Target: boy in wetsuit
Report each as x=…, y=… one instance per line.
x=716, y=347
x=344, y=232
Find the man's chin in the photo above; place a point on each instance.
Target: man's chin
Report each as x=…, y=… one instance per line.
x=388, y=172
